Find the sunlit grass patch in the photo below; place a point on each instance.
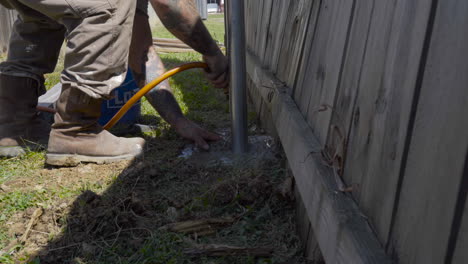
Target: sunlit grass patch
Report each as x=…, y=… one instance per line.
x=23, y=166
x=214, y=23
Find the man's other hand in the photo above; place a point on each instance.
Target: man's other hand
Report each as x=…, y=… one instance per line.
x=191, y=131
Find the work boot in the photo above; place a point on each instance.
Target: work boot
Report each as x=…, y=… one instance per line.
x=21, y=129
x=76, y=136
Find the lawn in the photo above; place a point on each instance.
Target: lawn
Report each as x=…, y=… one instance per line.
x=215, y=23
x=129, y=212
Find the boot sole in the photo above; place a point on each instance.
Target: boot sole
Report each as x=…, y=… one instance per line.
x=68, y=160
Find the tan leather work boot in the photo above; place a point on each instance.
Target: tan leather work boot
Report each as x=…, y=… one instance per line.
x=20, y=127
x=76, y=137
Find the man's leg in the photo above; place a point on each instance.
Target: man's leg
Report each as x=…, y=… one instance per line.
x=33, y=51
x=96, y=62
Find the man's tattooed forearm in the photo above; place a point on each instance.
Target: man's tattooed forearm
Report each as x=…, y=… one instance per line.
x=165, y=103
x=162, y=98
x=181, y=18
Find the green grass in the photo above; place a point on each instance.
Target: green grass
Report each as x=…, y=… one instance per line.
x=214, y=23
x=24, y=166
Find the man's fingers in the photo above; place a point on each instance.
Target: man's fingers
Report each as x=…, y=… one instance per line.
x=211, y=136
x=201, y=143
x=221, y=79
x=225, y=84
x=218, y=80
x=221, y=82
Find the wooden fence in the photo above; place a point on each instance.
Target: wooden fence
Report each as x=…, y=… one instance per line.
x=7, y=18
x=370, y=101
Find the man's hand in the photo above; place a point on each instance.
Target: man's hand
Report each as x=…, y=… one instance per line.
x=218, y=70
x=191, y=131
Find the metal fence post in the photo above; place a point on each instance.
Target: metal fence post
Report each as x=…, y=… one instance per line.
x=238, y=76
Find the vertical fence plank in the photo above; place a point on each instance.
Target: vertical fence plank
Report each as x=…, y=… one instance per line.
x=293, y=40
x=323, y=64
x=349, y=80
x=381, y=114
x=264, y=25
x=277, y=27
x=439, y=143
x=310, y=41
x=370, y=91
x=258, y=16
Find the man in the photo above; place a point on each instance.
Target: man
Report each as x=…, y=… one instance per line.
x=98, y=34
x=146, y=64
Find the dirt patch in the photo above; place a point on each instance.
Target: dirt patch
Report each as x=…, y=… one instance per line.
x=125, y=223
x=47, y=226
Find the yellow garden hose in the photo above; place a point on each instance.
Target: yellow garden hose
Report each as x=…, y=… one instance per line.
x=149, y=87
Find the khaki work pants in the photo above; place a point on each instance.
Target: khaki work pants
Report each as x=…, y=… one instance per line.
x=97, y=34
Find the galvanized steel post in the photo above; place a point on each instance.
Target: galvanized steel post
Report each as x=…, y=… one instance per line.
x=238, y=76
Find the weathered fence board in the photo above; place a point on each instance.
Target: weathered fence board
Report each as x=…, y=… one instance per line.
x=438, y=147
x=264, y=24
x=323, y=65
x=387, y=79
x=342, y=109
x=312, y=32
x=371, y=94
x=257, y=23
x=306, y=233
x=275, y=34
x=293, y=40
x=389, y=122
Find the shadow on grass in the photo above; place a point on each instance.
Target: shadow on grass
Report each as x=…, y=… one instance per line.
x=124, y=224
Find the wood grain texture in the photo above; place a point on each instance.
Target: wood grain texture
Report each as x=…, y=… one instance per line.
x=349, y=80
x=384, y=97
x=306, y=234
x=323, y=65
x=275, y=34
x=294, y=35
x=439, y=143
x=341, y=230
x=310, y=41
x=302, y=219
x=264, y=23
x=257, y=23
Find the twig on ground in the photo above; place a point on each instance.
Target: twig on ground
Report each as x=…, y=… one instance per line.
x=223, y=250
x=32, y=222
x=64, y=247
x=199, y=227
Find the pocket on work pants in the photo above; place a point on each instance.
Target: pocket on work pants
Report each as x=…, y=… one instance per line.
x=97, y=47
